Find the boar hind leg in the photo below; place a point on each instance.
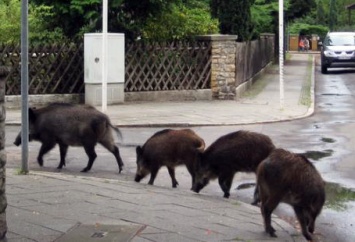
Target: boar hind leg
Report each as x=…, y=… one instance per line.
x=256, y=198
x=90, y=151
x=45, y=148
x=172, y=175
x=115, y=151
x=225, y=182
x=63, y=153
x=305, y=221
x=267, y=207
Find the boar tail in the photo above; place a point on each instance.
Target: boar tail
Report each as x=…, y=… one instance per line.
x=201, y=148
x=118, y=132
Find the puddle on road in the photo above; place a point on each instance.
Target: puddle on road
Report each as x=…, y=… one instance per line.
x=337, y=196
x=317, y=155
x=328, y=140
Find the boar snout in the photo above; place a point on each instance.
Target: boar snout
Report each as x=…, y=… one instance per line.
x=17, y=141
x=197, y=187
x=138, y=178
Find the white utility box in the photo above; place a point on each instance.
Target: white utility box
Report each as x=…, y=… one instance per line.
x=93, y=68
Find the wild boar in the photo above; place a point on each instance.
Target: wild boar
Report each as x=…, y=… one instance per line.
x=290, y=178
x=71, y=125
x=239, y=151
x=168, y=148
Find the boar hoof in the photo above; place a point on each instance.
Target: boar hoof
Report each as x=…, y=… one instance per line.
x=271, y=231
x=255, y=202
x=226, y=195
x=40, y=162
x=85, y=169
x=175, y=185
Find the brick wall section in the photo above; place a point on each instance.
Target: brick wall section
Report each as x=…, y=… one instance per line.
x=3, y=201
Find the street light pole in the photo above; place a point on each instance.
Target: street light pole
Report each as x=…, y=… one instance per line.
x=104, y=56
x=24, y=85
x=281, y=52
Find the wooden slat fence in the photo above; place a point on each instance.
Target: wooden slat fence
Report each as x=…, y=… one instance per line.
x=58, y=69
x=53, y=69
x=167, y=66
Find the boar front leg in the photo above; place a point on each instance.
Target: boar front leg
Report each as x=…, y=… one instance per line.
x=45, y=148
x=172, y=175
x=153, y=175
x=90, y=151
x=225, y=182
x=63, y=153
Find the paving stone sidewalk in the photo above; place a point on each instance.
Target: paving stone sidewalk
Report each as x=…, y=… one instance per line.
x=47, y=206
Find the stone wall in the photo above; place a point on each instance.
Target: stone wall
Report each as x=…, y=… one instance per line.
x=3, y=201
x=236, y=63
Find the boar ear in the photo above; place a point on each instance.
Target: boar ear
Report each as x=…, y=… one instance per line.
x=139, y=150
x=31, y=115
x=198, y=160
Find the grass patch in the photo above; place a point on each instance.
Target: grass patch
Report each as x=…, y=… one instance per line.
x=317, y=155
x=255, y=88
x=305, y=98
x=20, y=172
x=337, y=197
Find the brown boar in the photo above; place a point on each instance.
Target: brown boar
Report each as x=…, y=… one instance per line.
x=290, y=178
x=239, y=151
x=71, y=125
x=169, y=148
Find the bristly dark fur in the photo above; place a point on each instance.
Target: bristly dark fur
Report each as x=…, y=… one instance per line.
x=169, y=148
x=239, y=151
x=67, y=125
x=291, y=178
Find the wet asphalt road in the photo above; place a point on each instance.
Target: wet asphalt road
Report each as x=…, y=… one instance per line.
x=327, y=137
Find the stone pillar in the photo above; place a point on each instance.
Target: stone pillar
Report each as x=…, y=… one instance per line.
x=3, y=201
x=223, y=67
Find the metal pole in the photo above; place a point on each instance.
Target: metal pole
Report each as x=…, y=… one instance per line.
x=104, y=55
x=24, y=85
x=281, y=52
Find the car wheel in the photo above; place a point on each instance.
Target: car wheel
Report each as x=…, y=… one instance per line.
x=324, y=69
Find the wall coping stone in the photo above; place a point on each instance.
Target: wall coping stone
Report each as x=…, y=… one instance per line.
x=218, y=37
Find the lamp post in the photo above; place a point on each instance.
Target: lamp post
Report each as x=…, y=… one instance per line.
x=281, y=52
x=24, y=86
x=104, y=56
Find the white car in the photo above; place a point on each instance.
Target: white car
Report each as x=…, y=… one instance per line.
x=338, y=50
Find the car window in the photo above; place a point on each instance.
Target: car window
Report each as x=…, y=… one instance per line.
x=339, y=40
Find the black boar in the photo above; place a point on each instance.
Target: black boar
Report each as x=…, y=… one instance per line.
x=290, y=178
x=238, y=151
x=169, y=148
x=71, y=125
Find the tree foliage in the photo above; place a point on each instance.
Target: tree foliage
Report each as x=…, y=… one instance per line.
x=300, y=8
x=180, y=23
x=234, y=17
x=10, y=25
x=263, y=14
x=135, y=18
